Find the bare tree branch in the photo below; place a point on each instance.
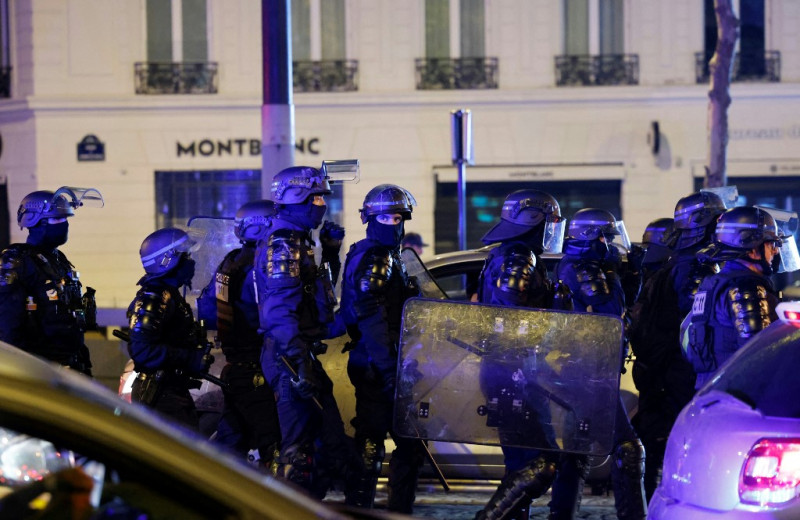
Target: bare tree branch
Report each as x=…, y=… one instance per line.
x=720, y=71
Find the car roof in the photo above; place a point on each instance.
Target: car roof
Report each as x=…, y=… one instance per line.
x=476, y=255
x=61, y=404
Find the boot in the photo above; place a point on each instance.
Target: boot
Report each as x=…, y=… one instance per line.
x=568, y=486
x=360, y=489
x=403, y=475
x=627, y=479
x=518, y=489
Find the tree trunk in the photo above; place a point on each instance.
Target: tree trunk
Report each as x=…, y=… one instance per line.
x=720, y=70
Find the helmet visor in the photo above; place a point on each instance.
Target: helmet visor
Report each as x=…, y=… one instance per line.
x=554, y=230
x=790, y=259
x=621, y=236
x=347, y=170
x=78, y=197
x=728, y=194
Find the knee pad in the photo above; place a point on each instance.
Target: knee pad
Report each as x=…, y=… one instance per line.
x=629, y=457
x=373, y=454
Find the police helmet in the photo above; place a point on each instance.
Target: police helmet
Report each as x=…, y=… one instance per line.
x=252, y=218
x=41, y=205
x=658, y=232
x=591, y=224
x=746, y=227
x=387, y=198
x=162, y=250
x=295, y=184
x=698, y=210
x=522, y=211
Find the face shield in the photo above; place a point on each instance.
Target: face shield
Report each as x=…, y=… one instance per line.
x=787, y=226
x=347, y=170
x=78, y=197
x=554, y=229
x=621, y=237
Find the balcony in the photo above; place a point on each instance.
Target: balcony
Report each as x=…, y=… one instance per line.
x=747, y=67
x=5, y=82
x=605, y=69
x=456, y=73
x=325, y=76
x=176, y=78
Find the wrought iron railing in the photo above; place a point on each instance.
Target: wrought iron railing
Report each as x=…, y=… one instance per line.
x=456, y=73
x=747, y=67
x=605, y=69
x=176, y=78
x=325, y=76
x=5, y=82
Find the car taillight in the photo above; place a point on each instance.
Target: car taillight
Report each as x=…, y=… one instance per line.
x=771, y=472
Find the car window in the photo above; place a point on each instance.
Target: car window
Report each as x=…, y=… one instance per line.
x=117, y=492
x=764, y=375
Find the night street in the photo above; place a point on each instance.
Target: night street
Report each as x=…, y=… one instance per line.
x=463, y=501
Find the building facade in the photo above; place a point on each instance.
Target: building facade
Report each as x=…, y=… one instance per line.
x=157, y=104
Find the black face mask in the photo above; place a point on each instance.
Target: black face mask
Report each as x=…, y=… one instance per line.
x=184, y=272
x=306, y=215
x=386, y=234
x=49, y=235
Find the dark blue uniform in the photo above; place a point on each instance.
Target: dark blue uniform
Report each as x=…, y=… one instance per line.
x=249, y=418
x=163, y=345
x=732, y=306
x=296, y=303
x=596, y=287
x=42, y=310
x=375, y=287
x=514, y=275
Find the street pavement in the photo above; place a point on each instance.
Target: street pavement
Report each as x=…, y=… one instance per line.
x=466, y=499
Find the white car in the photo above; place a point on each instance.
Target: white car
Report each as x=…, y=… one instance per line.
x=734, y=451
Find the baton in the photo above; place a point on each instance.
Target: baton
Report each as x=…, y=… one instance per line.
x=297, y=378
x=434, y=465
x=208, y=377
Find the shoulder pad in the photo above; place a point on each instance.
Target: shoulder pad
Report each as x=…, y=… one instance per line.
x=592, y=281
x=375, y=269
x=148, y=309
x=11, y=262
x=748, y=305
x=283, y=254
x=517, y=269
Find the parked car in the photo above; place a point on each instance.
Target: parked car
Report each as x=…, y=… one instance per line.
x=456, y=274
x=734, y=451
x=143, y=467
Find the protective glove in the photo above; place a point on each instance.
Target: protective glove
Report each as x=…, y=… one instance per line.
x=199, y=362
x=305, y=383
x=331, y=235
x=412, y=288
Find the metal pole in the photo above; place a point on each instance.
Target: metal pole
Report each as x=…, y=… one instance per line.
x=277, y=111
x=462, y=205
x=461, y=128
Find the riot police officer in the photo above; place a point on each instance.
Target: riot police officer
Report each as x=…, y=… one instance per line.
x=374, y=288
x=296, y=303
x=590, y=267
x=514, y=275
x=658, y=248
x=164, y=336
x=733, y=305
x=665, y=380
x=42, y=309
x=249, y=421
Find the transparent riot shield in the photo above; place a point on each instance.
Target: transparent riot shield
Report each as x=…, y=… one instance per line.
x=215, y=239
x=415, y=268
x=485, y=374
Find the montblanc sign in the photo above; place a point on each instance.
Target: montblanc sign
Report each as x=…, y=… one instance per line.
x=237, y=147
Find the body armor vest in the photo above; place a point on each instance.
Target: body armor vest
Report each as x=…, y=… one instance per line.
x=237, y=326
